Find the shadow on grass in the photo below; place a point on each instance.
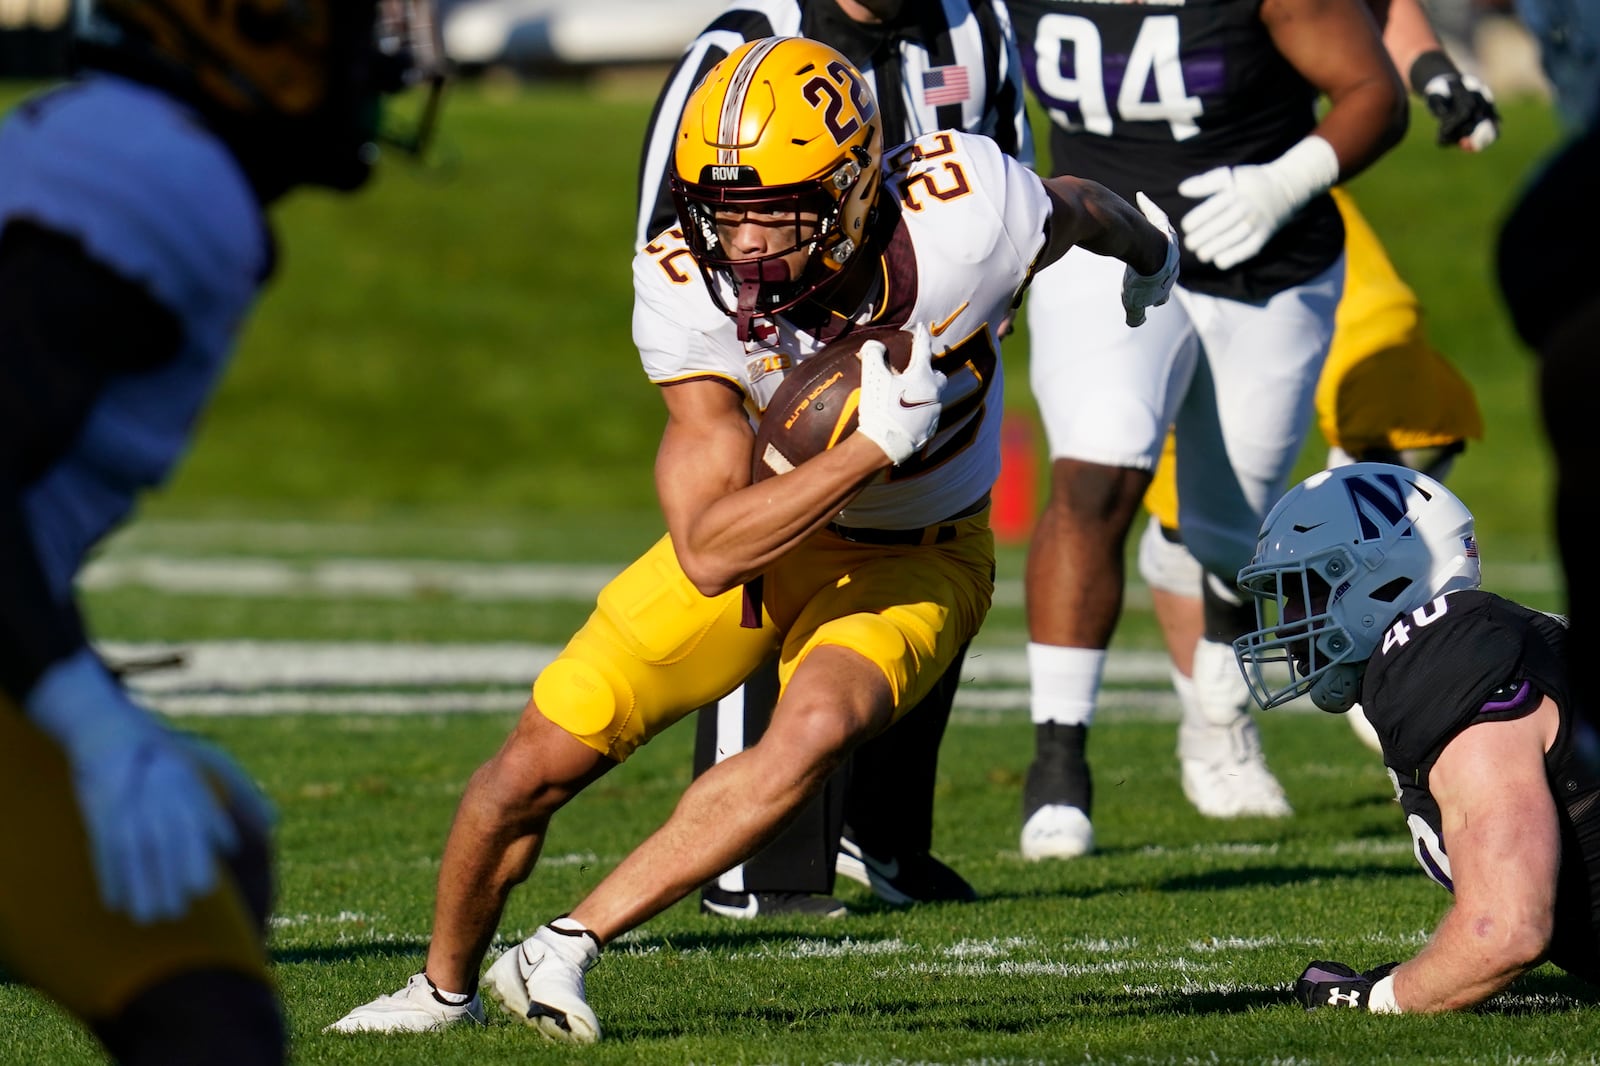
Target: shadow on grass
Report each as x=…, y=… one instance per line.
x=389, y=949
x=1276, y=876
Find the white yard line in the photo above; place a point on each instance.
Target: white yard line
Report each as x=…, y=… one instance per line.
x=240, y=664
x=347, y=578
x=251, y=677
x=265, y=576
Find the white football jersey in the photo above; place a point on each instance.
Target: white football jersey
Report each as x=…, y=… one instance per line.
x=972, y=222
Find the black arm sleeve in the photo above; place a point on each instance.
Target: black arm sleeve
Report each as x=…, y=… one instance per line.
x=67, y=325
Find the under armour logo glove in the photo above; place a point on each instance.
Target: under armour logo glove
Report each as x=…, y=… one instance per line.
x=1141, y=291
x=1333, y=984
x=1242, y=207
x=1461, y=103
x=900, y=411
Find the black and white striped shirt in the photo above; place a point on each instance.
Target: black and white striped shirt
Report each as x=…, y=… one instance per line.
x=944, y=64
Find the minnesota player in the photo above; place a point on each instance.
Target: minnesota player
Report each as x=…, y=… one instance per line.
x=1212, y=105
x=1365, y=584
x=132, y=243
x=874, y=557
x=931, y=67
x=1386, y=394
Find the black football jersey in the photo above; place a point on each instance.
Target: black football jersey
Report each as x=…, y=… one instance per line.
x=1144, y=95
x=1472, y=657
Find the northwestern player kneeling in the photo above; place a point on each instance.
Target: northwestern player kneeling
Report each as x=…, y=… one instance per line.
x=1365, y=580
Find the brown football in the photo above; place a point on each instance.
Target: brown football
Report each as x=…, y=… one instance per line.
x=815, y=406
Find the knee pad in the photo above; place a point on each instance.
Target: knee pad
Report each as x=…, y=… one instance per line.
x=1228, y=615
x=582, y=699
x=1165, y=564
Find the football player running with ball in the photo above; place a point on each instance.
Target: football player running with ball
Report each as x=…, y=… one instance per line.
x=133, y=241
x=874, y=557
x=1365, y=582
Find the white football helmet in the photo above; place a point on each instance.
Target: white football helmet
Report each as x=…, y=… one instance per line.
x=1339, y=558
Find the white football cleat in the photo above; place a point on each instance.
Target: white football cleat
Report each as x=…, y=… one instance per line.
x=540, y=981
x=1055, y=831
x=1224, y=773
x=416, y=1008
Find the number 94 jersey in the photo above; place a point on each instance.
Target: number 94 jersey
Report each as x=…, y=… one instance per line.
x=1144, y=95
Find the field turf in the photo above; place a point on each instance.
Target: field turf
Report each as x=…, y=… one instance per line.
x=441, y=376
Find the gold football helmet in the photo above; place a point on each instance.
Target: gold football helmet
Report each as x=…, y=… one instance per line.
x=783, y=124
x=294, y=85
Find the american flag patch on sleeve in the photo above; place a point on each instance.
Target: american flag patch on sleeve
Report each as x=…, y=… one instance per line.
x=945, y=85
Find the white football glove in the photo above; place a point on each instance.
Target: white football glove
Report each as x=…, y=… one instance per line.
x=1242, y=207
x=155, y=827
x=1141, y=291
x=900, y=411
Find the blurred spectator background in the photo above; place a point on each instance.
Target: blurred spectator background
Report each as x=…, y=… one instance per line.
x=564, y=38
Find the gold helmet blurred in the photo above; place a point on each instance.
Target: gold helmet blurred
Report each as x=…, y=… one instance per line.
x=294, y=85
x=783, y=124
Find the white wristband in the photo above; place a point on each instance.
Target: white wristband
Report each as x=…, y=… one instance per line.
x=1381, y=999
x=1309, y=168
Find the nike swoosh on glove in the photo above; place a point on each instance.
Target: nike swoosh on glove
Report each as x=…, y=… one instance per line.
x=1142, y=291
x=900, y=411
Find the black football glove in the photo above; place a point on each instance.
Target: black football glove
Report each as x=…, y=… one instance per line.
x=1463, y=105
x=1333, y=984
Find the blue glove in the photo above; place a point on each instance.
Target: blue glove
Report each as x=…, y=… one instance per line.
x=155, y=826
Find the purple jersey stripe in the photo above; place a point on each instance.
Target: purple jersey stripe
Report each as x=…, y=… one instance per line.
x=1517, y=700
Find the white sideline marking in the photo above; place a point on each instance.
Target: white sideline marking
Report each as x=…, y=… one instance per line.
x=395, y=578
x=241, y=665
x=253, y=677
x=339, y=578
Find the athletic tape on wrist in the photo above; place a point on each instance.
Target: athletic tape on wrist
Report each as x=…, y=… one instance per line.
x=1381, y=999
x=1426, y=67
x=1310, y=167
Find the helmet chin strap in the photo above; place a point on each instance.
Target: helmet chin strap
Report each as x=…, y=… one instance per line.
x=752, y=277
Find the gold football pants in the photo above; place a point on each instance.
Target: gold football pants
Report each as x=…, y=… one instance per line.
x=655, y=649
x=54, y=932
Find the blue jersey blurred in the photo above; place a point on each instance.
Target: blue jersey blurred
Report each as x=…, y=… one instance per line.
x=156, y=197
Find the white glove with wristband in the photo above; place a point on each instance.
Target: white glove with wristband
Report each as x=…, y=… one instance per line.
x=900, y=411
x=1242, y=207
x=155, y=827
x=1141, y=291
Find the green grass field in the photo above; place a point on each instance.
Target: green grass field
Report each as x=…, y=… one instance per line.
x=436, y=419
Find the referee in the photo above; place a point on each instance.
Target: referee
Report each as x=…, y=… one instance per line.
x=932, y=66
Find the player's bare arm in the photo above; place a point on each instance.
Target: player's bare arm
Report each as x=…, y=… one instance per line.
x=1462, y=104
x=726, y=530
x=1407, y=33
x=1084, y=212
x=1335, y=45
x=1503, y=839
